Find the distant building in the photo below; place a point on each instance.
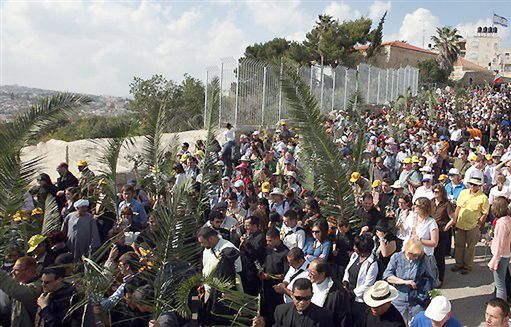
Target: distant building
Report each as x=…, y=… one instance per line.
x=398, y=54
x=485, y=49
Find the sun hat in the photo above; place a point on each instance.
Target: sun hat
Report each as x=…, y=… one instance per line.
x=426, y=169
x=439, y=307
x=34, y=242
x=355, y=177
x=472, y=158
x=81, y=203
x=82, y=163
x=397, y=184
x=380, y=293
x=292, y=174
x=277, y=191
x=415, y=159
x=453, y=171
x=407, y=161
x=442, y=177
x=266, y=187
x=476, y=180
x=488, y=157
x=376, y=183
x=239, y=183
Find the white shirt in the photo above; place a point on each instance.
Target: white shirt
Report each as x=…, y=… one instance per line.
x=495, y=193
x=490, y=172
x=423, y=230
x=230, y=134
x=456, y=135
x=290, y=273
x=320, y=291
x=293, y=238
x=423, y=192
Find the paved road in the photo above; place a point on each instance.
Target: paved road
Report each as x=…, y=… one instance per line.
x=469, y=293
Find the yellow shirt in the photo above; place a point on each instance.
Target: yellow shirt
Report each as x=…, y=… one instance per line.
x=473, y=206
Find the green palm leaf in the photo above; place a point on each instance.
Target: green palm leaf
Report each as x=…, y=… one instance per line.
x=52, y=221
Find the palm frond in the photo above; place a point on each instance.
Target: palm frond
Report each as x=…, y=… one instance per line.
x=51, y=221
x=332, y=172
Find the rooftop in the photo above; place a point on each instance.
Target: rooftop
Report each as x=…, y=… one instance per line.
x=402, y=45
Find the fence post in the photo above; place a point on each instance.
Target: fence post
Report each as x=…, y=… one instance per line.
x=368, y=83
x=236, y=101
x=280, y=90
x=311, y=78
x=220, y=94
x=321, y=92
x=387, y=86
x=356, y=79
x=206, y=99
x=345, y=86
x=264, y=95
x=392, y=87
x=333, y=88
x=378, y=88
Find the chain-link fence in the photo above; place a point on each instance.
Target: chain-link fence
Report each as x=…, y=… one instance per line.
x=251, y=93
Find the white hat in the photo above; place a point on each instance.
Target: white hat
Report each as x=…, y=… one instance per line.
x=292, y=174
x=277, y=191
x=453, y=171
x=397, y=184
x=477, y=177
x=81, y=203
x=427, y=177
x=255, y=133
x=438, y=308
x=426, y=169
x=239, y=183
x=380, y=293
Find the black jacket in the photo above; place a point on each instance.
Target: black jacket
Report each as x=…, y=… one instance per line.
x=339, y=304
x=287, y=316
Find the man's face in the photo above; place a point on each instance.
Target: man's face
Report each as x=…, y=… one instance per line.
x=80, y=168
x=455, y=178
x=21, y=273
x=442, y=322
x=61, y=170
x=128, y=297
x=302, y=299
x=293, y=263
x=123, y=268
x=127, y=195
x=379, y=162
x=289, y=222
x=216, y=223
x=314, y=275
x=367, y=204
x=494, y=317
x=385, y=187
x=50, y=283
x=378, y=311
x=204, y=242
x=249, y=227
x=232, y=203
x=407, y=166
x=272, y=242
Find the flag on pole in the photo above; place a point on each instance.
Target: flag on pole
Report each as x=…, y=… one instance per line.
x=497, y=79
x=499, y=20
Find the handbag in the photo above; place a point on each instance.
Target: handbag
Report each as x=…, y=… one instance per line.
x=420, y=295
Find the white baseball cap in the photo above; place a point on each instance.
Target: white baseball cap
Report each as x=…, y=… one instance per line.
x=239, y=183
x=426, y=169
x=453, y=171
x=438, y=308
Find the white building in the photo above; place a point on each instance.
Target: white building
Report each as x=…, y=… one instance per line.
x=485, y=49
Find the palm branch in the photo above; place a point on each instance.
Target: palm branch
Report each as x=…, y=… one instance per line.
x=51, y=220
x=360, y=141
x=332, y=171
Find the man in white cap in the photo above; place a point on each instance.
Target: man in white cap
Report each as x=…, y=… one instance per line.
x=379, y=298
x=426, y=190
x=81, y=231
x=455, y=187
x=438, y=314
x=471, y=212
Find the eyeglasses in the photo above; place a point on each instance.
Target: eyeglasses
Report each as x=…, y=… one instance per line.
x=46, y=282
x=316, y=231
x=302, y=298
x=436, y=191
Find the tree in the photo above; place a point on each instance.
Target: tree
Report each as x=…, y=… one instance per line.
x=376, y=38
x=274, y=49
x=430, y=72
x=447, y=44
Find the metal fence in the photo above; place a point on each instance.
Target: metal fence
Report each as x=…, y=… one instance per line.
x=251, y=93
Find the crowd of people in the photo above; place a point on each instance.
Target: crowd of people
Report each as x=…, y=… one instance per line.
x=432, y=182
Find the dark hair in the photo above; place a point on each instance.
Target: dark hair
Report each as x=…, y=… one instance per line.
x=263, y=201
x=323, y=227
x=291, y=214
x=59, y=272
x=179, y=168
x=127, y=211
x=186, y=144
x=383, y=225
x=206, y=232
x=66, y=258
x=274, y=217
x=143, y=295
x=364, y=244
x=407, y=198
x=313, y=203
x=273, y=233
x=500, y=303
x=343, y=222
x=232, y=196
x=131, y=286
x=44, y=177
x=63, y=165
x=130, y=259
x=127, y=188
x=443, y=193
x=215, y=214
x=296, y=254
x=367, y=195
x=322, y=266
x=302, y=284
x=253, y=220
x=55, y=237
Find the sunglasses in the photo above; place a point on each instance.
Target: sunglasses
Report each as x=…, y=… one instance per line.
x=316, y=231
x=436, y=191
x=302, y=298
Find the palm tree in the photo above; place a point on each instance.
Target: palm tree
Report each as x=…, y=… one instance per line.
x=447, y=44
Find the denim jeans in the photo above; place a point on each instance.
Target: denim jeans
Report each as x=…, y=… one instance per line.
x=499, y=276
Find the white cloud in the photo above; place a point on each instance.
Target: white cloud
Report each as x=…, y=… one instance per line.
x=418, y=26
x=341, y=11
x=278, y=17
x=97, y=47
x=470, y=28
x=378, y=8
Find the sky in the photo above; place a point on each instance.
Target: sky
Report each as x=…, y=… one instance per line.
x=97, y=47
